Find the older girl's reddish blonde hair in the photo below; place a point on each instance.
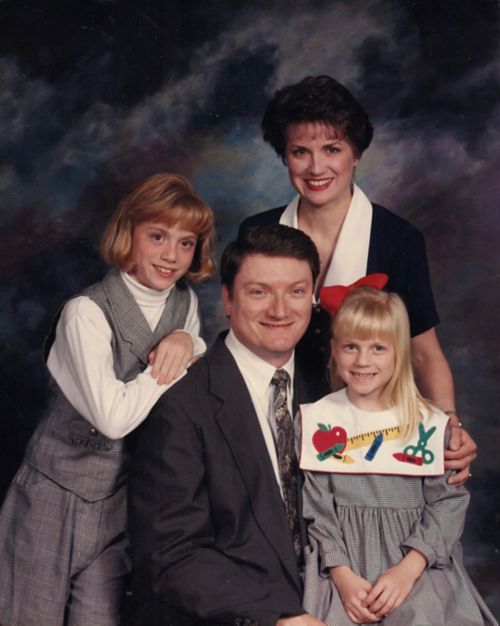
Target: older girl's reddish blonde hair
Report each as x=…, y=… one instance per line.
x=167, y=199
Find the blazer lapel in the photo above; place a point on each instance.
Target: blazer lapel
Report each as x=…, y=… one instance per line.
x=240, y=425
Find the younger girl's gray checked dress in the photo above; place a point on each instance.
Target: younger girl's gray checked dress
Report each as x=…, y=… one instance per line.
x=369, y=522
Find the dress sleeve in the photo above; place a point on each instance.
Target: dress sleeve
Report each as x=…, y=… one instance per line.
x=410, y=279
x=442, y=521
x=81, y=362
x=397, y=248
x=324, y=528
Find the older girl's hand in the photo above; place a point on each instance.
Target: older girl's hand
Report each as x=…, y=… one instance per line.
x=171, y=357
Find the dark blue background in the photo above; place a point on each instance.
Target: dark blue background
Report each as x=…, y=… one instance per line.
x=97, y=94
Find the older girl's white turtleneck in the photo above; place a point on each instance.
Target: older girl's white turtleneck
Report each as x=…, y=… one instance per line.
x=81, y=361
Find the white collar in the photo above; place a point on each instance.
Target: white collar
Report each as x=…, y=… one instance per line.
x=290, y=216
x=145, y=296
x=373, y=441
x=253, y=368
x=350, y=258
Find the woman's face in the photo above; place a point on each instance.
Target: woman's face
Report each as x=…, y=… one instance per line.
x=320, y=165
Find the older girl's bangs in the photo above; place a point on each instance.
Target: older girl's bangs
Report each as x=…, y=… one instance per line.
x=190, y=213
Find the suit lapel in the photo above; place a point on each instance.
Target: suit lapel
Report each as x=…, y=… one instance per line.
x=240, y=426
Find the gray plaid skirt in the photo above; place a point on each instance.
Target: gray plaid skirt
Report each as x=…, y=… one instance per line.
x=63, y=560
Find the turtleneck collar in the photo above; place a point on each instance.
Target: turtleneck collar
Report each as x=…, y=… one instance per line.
x=145, y=296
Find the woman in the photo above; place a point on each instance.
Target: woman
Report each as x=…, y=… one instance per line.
x=320, y=131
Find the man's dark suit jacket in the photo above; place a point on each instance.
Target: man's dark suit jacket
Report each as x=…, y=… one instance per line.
x=209, y=535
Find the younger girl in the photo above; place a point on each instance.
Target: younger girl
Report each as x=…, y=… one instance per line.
x=384, y=522
x=62, y=526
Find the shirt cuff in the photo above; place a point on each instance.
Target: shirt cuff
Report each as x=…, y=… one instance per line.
x=334, y=559
x=433, y=559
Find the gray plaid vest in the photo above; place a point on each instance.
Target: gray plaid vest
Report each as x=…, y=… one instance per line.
x=65, y=446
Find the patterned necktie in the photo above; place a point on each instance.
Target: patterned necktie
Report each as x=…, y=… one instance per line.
x=287, y=460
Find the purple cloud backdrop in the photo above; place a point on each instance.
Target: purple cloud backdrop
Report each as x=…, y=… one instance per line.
x=98, y=94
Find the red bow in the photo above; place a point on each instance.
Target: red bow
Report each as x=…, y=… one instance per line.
x=332, y=297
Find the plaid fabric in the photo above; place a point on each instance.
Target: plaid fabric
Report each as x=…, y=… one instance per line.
x=54, y=545
x=65, y=446
x=369, y=523
x=62, y=526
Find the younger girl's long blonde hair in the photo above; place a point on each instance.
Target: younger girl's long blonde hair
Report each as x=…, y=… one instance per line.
x=367, y=313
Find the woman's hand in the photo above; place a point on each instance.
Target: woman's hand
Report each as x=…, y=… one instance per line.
x=171, y=357
x=434, y=380
x=353, y=591
x=394, y=585
x=461, y=452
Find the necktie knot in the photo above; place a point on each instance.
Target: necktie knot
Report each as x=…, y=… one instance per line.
x=280, y=379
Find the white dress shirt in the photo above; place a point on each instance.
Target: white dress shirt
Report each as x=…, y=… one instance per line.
x=81, y=361
x=257, y=375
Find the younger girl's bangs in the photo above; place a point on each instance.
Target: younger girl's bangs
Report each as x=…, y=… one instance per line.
x=365, y=320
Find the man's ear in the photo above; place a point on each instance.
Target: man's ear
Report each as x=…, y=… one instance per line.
x=226, y=301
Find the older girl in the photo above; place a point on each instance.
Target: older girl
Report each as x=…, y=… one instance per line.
x=63, y=524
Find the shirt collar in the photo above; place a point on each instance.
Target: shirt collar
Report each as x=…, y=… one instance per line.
x=290, y=217
x=350, y=259
x=252, y=367
x=145, y=296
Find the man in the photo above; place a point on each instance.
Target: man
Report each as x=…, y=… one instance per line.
x=212, y=499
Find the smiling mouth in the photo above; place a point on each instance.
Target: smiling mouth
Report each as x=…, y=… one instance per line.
x=319, y=183
x=363, y=375
x=164, y=271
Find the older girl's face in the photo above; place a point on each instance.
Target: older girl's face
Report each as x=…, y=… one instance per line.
x=161, y=254
x=320, y=165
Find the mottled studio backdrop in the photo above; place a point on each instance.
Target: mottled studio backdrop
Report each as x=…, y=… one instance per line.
x=98, y=94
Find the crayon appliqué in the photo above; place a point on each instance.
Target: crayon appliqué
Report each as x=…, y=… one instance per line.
x=374, y=448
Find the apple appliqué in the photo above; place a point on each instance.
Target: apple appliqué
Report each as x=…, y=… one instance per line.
x=326, y=438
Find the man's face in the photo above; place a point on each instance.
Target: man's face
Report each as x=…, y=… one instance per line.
x=270, y=306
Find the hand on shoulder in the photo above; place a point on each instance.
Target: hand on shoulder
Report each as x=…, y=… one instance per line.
x=461, y=452
x=171, y=356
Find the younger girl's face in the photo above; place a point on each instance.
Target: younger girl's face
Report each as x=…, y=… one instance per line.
x=161, y=254
x=366, y=367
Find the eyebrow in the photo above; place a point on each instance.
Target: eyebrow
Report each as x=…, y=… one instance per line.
x=257, y=283
x=165, y=229
x=327, y=142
